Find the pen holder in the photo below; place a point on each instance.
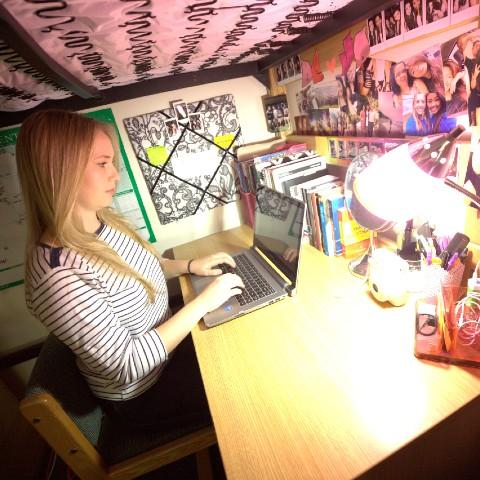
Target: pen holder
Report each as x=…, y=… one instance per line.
x=427, y=280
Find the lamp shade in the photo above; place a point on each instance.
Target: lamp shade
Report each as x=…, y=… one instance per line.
x=393, y=187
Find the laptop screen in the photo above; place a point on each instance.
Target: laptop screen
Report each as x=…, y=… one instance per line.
x=278, y=229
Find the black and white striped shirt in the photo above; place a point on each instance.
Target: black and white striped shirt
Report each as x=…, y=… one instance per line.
x=105, y=318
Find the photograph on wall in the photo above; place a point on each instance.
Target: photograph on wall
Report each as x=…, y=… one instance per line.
x=302, y=100
x=375, y=29
x=320, y=121
x=172, y=128
x=393, y=21
x=454, y=76
x=412, y=14
x=302, y=125
x=390, y=122
x=181, y=111
x=463, y=9
x=196, y=122
x=348, y=113
x=288, y=70
x=436, y=10
x=366, y=96
x=335, y=121
x=322, y=95
x=276, y=113
x=421, y=72
x=465, y=50
x=415, y=114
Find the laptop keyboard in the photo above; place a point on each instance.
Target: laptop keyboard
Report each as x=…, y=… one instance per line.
x=255, y=285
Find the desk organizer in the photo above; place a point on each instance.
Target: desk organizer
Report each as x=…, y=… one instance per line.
x=443, y=331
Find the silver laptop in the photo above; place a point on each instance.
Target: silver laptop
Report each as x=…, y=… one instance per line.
x=279, y=222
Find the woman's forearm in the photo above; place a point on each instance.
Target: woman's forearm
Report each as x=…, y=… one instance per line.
x=174, y=268
x=175, y=329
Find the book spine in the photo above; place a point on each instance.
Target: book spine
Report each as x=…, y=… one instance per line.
x=325, y=227
x=334, y=204
x=317, y=234
x=323, y=224
x=241, y=176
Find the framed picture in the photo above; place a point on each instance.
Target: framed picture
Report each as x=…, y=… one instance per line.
x=276, y=113
x=196, y=122
x=290, y=69
x=333, y=147
x=172, y=129
x=181, y=111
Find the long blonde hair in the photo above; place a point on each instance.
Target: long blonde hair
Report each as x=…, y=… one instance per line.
x=52, y=152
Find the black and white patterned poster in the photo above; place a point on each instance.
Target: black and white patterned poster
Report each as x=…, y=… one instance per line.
x=186, y=154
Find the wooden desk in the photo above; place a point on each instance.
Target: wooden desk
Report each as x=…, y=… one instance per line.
x=325, y=385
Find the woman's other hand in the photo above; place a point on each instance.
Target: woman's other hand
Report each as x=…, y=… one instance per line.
x=220, y=290
x=207, y=266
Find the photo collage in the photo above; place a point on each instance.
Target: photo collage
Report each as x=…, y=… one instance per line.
x=420, y=95
x=410, y=18
x=182, y=118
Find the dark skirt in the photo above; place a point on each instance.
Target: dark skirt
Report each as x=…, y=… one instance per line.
x=176, y=400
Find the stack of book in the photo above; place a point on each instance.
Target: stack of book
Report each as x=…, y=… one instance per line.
x=331, y=226
x=283, y=172
x=252, y=159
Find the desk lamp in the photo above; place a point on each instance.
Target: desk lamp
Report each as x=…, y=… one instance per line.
x=381, y=191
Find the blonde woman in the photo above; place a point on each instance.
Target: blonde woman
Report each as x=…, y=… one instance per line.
x=418, y=121
x=99, y=287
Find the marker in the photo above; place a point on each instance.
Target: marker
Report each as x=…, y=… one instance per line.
x=452, y=260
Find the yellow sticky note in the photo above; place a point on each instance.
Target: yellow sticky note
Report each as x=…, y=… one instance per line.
x=224, y=141
x=157, y=155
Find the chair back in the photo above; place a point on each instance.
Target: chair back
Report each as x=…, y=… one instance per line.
x=56, y=372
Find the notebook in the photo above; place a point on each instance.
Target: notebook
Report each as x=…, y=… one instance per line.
x=278, y=228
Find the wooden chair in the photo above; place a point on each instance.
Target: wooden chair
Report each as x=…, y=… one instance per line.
x=61, y=407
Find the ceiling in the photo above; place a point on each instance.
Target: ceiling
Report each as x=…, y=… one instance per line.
x=79, y=54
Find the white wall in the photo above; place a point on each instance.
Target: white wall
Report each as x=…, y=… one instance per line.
x=17, y=327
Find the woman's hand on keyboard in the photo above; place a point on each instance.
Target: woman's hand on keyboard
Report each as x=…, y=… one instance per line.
x=207, y=266
x=220, y=290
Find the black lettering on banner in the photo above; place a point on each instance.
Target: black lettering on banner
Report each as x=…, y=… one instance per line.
x=11, y=92
x=190, y=42
x=79, y=40
x=138, y=28
x=17, y=64
x=281, y=28
x=46, y=13
x=233, y=37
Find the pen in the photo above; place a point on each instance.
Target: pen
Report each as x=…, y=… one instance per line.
x=452, y=261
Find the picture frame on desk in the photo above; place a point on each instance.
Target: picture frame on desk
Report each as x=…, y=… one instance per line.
x=342, y=149
x=363, y=147
x=352, y=149
x=276, y=113
x=376, y=148
x=333, y=147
